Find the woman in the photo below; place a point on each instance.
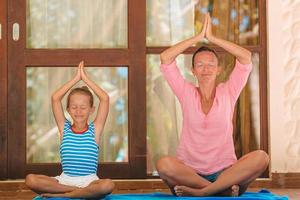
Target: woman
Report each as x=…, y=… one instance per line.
x=206, y=163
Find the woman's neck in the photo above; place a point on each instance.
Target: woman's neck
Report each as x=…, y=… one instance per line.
x=207, y=91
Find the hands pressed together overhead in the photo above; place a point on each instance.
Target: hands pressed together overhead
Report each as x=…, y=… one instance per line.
x=206, y=32
x=81, y=75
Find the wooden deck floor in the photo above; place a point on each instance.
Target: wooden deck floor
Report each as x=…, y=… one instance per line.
x=17, y=190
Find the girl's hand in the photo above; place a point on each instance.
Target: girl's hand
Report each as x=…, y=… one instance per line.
x=82, y=72
x=78, y=74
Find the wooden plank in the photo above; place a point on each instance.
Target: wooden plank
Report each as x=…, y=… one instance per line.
x=105, y=170
x=191, y=50
x=3, y=90
x=137, y=87
x=16, y=88
x=59, y=57
x=278, y=180
x=263, y=80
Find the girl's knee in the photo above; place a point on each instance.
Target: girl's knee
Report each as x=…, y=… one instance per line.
x=31, y=181
x=108, y=185
x=105, y=186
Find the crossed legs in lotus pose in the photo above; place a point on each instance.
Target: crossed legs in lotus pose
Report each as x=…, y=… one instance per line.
x=233, y=181
x=49, y=187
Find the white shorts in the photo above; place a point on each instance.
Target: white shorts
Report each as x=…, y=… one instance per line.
x=81, y=181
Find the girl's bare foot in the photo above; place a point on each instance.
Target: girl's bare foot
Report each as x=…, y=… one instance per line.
x=54, y=195
x=187, y=191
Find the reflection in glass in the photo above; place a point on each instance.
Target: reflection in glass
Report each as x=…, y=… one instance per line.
x=76, y=24
x=164, y=117
x=42, y=133
x=171, y=21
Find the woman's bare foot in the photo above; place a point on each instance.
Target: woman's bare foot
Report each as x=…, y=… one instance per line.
x=233, y=191
x=188, y=191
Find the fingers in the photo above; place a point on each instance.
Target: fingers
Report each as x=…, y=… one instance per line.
x=83, y=74
x=202, y=35
x=80, y=64
x=208, y=19
x=204, y=27
x=52, y=195
x=205, y=23
x=178, y=191
x=82, y=70
x=209, y=27
x=81, y=67
x=78, y=76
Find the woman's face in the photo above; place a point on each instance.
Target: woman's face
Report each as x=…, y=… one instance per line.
x=206, y=67
x=80, y=108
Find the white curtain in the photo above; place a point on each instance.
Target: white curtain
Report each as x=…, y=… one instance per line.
x=169, y=21
x=76, y=24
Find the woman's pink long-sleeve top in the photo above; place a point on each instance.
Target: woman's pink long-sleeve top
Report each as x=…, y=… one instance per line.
x=206, y=141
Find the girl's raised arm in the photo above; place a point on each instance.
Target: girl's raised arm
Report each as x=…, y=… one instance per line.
x=56, y=98
x=103, y=107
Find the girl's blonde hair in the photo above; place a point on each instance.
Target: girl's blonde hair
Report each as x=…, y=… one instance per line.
x=81, y=90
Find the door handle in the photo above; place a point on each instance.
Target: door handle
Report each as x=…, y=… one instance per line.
x=0, y=31
x=16, y=32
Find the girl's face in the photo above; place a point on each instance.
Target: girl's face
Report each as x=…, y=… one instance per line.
x=206, y=67
x=80, y=108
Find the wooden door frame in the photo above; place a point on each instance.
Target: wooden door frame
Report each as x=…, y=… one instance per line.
x=263, y=81
x=3, y=90
x=133, y=57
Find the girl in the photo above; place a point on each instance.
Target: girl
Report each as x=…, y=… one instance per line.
x=206, y=163
x=79, y=143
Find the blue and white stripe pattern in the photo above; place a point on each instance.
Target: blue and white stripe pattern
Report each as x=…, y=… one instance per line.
x=79, y=152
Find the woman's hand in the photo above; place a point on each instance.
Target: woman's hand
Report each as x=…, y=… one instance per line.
x=202, y=34
x=208, y=31
x=243, y=55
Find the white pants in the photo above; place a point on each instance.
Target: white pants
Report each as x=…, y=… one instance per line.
x=79, y=181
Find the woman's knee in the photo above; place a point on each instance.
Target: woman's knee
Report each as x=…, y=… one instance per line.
x=262, y=159
x=165, y=166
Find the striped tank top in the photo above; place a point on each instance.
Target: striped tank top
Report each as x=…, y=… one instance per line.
x=79, y=152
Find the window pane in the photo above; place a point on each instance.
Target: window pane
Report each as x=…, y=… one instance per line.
x=163, y=111
x=170, y=21
x=42, y=133
x=164, y=116
x=76, y=24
